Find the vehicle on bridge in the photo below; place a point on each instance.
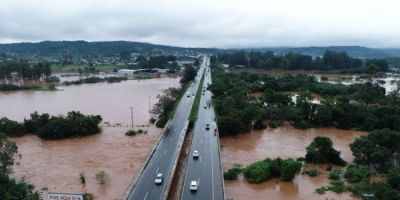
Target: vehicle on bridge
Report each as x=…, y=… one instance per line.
x=159, y=179
x=195, y=154
x=193, y=186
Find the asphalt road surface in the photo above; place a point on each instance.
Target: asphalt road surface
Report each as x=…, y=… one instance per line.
x=206, y=169
x=166, y=153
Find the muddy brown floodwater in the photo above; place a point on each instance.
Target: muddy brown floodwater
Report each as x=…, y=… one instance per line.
x=55, y=165
x=284, y=142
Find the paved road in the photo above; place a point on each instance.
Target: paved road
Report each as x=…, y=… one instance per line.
x=206, y=170
x=166, y=152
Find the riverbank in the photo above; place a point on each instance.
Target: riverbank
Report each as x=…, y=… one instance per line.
x=284, y=142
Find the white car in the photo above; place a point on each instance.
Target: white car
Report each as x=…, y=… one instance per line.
x=193, y=186
x=195, y=154
x=159, y=179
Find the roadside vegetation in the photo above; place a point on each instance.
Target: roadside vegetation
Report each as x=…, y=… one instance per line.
x=367, y=102
x=74, y=124
x=164, y=109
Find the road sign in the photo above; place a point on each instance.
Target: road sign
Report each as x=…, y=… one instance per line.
x=64, y=196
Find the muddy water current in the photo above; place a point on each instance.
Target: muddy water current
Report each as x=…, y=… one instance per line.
x=284, y=142
x=55, y=166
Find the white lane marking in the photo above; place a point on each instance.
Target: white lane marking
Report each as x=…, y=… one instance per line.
x=200, y=158
x=157, y=170
x=165, y=152
x=198, y=182
x=146, y=195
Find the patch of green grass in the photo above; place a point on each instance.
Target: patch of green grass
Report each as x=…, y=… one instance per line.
x=196, y=103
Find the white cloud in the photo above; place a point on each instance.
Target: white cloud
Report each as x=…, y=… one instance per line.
x=206, y=23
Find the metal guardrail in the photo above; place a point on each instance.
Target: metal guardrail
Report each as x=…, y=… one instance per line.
x=172, y=173
x=145, y=163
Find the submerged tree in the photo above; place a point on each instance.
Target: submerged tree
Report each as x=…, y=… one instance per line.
x=321, y=151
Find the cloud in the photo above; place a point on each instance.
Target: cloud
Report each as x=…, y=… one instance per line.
x=205, y=23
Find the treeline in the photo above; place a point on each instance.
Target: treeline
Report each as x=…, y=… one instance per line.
x=162, y=62
x=94, y=79
x=12, y=87
x=74, y=124
x=24, y=70
x=238, y=110
x=330, y=60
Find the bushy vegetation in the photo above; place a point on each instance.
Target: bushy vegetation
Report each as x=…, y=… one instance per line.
x=11, y=189
x=53, y=127
x=165, y=105
x=357, y=173
x=261, y=171
x=134, y=132
x=331, y=60
x=335, y=174
x=312, y=172
x=232, y=173
x=321, y=151
x=368, y=104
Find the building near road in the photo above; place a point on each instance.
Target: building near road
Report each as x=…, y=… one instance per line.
x=134, y=72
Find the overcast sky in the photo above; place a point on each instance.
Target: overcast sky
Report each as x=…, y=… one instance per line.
x=205, y=23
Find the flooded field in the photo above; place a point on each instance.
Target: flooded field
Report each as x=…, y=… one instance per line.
x=111, y=101
x=284, y=142
x=55, y=166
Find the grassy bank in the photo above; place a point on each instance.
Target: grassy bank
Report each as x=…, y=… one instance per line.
x=196, y=103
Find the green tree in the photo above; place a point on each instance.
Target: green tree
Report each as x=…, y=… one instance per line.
x=8, y=154
x=321, y=151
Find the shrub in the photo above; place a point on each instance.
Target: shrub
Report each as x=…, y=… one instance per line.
x=130, y=133
x=232, y=173
x=357, y=173
x=289, y=169
x=82, y=178
x=101, y=177
x=257, y=172
x=321, y=190
x=88, y=196
x=335, y=174
x=312, y=172
x=337, y=186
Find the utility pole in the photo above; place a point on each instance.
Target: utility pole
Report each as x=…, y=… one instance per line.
x=149, y=105
x=131, y=116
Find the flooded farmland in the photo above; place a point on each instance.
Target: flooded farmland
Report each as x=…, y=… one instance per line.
x=55, y=166
x=284, y=142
